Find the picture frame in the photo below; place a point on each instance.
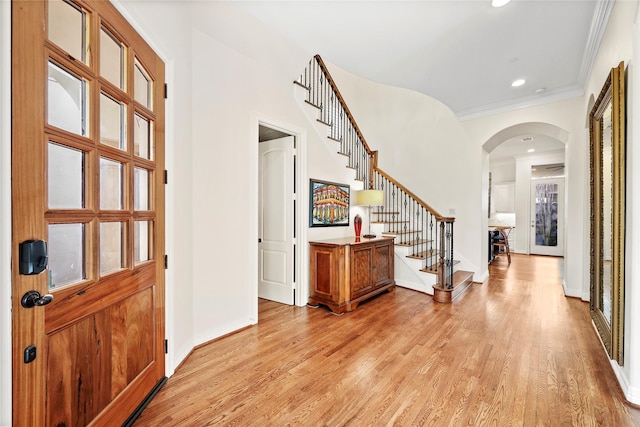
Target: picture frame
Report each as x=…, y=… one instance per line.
x=329, y=204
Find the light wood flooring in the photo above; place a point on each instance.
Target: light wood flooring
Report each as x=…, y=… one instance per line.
x=512, y=351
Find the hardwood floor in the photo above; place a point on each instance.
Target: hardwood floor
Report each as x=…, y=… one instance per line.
x=511, y=351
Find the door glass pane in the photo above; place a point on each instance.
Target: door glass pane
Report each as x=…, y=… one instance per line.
x=67, y=28
x=140, y=189
x=547, y=214
x=142, y=241
x=111, y=59
x=141, y=86
x=65, y=177
x=110, y=184
x=67, y=105
x=112, y=122
x=111, y=247
x=66, y=254
x=142, y=138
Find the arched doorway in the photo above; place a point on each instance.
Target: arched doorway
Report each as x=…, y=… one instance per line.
x=521, y=158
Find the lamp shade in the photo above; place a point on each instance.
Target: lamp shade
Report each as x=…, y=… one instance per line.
x=368, y=198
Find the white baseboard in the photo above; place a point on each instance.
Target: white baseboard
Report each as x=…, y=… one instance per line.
x=632, y=394
x=481, y=278
x=420, y=287
x=569, y=292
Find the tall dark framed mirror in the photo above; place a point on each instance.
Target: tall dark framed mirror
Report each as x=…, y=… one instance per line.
x=608, y=171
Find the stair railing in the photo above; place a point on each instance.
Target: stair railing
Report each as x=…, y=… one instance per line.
x=416, y=224
x=323, y=93
x=406, y=216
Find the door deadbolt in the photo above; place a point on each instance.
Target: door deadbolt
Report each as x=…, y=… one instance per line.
x=33, y=298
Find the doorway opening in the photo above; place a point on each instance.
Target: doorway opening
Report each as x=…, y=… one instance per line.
x=281, y=231
x=547, y=210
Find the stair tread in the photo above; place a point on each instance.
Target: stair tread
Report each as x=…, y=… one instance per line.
x=396, y=233
x=462, y=280
x=389, y=222
x=423, y=255
x=434, y=271
x=459, y=277
x=312, y=104
x=301, y=85
x=413, y=242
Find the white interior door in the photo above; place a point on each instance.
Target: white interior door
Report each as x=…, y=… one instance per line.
x=276, y=225
x=547, y=215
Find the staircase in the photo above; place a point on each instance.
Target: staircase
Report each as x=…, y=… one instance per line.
x=423, y=238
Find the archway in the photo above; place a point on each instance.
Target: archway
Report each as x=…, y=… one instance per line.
x=512, y=154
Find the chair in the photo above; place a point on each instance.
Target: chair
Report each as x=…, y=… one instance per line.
x=500, y=241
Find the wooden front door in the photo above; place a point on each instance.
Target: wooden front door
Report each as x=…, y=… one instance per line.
x=87, y=179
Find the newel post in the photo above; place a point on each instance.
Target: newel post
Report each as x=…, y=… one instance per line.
x=373, y=164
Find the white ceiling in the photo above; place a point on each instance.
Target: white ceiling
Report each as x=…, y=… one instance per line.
x=519, y=147
x=464, y=53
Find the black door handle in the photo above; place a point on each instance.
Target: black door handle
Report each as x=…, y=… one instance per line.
x=33, y=298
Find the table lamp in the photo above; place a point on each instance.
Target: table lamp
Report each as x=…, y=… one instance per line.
x=368, y=198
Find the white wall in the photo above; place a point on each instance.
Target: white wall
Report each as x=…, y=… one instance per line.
x=503, y=170
x=5, y=213
x=237, y=73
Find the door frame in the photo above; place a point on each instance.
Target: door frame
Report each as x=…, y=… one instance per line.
x=5, y=215
x=301, y=251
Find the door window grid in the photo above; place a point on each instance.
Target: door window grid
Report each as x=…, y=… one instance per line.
x=67, y=28
x=142, y=86
x=65, y=177
x=67, y=100
x=115, y=117
x=112, y=59
x=67, y=256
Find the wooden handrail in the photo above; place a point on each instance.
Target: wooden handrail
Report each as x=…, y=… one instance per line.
x=373, y=155
x=412, y=195
x=325, y=70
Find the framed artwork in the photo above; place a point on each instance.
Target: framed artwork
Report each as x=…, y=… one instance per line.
x=328, y=204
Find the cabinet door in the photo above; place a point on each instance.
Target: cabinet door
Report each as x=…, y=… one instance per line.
x=383, y=264
x=504, y=197
x=361, y=268
x=323, y=272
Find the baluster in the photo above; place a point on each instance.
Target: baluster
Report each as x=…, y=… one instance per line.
x=449, y=255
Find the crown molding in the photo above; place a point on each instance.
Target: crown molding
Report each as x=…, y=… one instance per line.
x=599, y=22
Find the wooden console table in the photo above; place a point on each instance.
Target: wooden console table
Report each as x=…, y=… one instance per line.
x=347, y=271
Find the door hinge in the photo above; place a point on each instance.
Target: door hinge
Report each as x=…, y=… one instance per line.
x=166, y=176
x=166, y=91
x=166, y=346
x=166, y=262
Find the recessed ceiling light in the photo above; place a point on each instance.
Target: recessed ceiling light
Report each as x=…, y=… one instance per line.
x=499, y=3
x=530, y=150
x=518, y=82
x=539, y=91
